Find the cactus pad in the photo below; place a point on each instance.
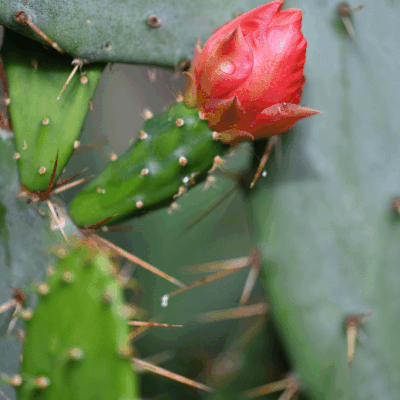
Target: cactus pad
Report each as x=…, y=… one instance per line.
x=146, y=32
x=76, y=345
x=42, y=124
x=326, y=230
x=27, y=232
x=174, y=150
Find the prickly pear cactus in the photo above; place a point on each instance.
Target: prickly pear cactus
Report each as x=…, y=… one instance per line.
x=77, y=339
x=200, y=153
x=174, y=151
x=324, y=220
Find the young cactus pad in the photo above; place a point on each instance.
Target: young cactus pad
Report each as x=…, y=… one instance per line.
x=174, y=150
x=42, y=124
x=76, y=341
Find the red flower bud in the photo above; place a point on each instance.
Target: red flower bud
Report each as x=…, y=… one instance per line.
x=248, y=79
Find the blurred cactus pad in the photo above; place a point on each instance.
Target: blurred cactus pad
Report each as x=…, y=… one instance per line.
x=324, y=220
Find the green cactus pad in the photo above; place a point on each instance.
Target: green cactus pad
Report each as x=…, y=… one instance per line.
x=173, y=150
x=42, y=124
x=76, y=341
x=146, y=32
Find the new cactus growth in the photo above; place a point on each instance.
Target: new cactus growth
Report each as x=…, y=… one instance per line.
x=44, y=126
x=77, y=345
x=173, y=152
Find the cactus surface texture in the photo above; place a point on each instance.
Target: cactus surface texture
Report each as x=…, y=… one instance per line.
x=44, y=126
x=174, y=151
x=26, y=240
x=152, y=32
x=77, y=339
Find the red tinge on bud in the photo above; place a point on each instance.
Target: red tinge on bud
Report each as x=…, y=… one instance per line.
x=248, y=79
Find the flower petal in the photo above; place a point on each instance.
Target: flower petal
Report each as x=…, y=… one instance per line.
x=278, y=67
x=227, y=68
x=276, y=119
x=290, y=16
x=263, y=15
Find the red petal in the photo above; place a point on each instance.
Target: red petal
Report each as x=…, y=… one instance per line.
x=291, y=16
x=263, y=15
x=227, y=68
x=276, y=119
x=277, y=74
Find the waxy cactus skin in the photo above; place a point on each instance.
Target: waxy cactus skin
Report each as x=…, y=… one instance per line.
x=44, y=126
x=172, y=152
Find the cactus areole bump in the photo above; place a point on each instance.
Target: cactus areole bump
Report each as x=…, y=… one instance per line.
x=248, y=79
